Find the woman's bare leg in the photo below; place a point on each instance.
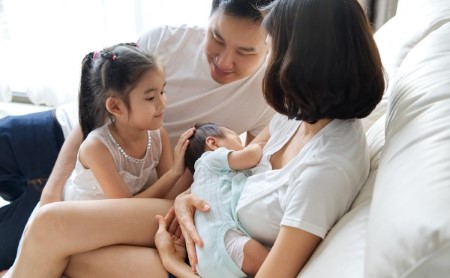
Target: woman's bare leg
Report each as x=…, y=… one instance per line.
x=62, y=229
x=117, y=261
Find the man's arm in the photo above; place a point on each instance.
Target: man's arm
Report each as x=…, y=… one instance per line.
x=63, y=167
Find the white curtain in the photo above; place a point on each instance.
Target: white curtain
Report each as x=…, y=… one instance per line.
x=42, y=42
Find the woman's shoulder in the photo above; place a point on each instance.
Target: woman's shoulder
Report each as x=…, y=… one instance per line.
x=281, y=126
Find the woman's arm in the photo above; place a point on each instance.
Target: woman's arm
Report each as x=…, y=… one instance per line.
x=63, y=167
x=291, y=251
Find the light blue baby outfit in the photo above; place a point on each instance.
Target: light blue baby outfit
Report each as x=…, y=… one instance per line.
x=221, y=187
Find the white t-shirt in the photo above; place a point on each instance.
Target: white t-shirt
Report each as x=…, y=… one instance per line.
x=314, y=189
x=192, y=95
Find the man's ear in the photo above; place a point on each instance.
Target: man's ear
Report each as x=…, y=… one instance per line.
x=212, y=143
x=114, y=106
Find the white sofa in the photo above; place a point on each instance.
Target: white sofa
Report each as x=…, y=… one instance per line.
x=399, y=225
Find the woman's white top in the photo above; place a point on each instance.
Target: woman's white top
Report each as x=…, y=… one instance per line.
x=138, y=174
x=314, y=189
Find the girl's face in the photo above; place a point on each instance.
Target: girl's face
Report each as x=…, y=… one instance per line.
x=148, y=100
x=235, y=47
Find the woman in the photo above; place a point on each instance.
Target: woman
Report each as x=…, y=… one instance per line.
x=217, y=71
x=324, y=73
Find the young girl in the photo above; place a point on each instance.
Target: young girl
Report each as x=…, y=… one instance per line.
x=121, y=108
x=221, y=165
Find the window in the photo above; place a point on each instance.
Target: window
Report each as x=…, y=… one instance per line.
x=43, y=42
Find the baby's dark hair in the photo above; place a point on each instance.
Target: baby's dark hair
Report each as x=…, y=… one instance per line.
x=197, y=142
x=113, y=71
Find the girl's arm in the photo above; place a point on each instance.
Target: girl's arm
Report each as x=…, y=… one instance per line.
x=291, y=251
x=95, y=156
x=163, y=185
x=166, y=159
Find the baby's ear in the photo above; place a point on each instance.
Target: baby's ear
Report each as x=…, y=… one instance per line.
x=211, y=143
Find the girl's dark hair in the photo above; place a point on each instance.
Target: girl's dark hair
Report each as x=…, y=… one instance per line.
x=324, y=61
x=197, y=142
x=114, y=71
x=250, y=9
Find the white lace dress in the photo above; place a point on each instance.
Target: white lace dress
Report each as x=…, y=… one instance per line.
x=138, y=174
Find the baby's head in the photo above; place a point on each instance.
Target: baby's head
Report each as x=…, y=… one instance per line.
x=209, y=137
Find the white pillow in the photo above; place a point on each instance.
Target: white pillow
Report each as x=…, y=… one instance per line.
x=414, y=20
x=375, y=140
x=409, y=223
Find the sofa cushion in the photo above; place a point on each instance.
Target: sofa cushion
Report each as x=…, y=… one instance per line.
x=375, y=140
x=409, y=222
x=342, y=252
x=414, y=20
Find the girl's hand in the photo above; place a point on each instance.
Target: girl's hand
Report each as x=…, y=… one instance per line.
x=185, y=206
x=179, y=151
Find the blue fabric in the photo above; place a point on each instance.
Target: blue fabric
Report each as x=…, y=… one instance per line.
x=29, y=146
x=219, y=185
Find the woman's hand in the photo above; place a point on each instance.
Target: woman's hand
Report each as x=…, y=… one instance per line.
x=185, y=206
x=180, y=149
x=171, y=246
x=170, y=243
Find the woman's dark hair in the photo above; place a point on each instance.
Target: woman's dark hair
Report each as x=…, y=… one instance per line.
x=250, y=9
x=114, y=71
x=324, y=61
x=197, y=142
